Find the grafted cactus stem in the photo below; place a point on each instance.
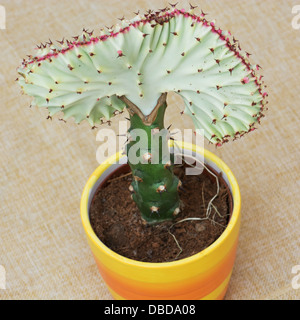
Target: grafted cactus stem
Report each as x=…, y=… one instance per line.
x=154, y=187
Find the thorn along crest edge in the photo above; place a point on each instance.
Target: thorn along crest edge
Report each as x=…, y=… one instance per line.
x=169, y=50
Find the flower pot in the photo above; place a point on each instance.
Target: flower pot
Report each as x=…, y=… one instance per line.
x=205, y=275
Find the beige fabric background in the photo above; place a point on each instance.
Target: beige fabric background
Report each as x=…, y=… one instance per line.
x=44, y=164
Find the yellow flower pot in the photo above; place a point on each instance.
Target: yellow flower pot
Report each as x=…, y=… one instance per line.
x=205, y=275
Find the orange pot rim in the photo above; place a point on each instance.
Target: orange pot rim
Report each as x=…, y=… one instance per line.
x=234, y=187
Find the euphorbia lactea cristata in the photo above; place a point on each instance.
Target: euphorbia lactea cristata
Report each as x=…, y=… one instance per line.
x=134, y=65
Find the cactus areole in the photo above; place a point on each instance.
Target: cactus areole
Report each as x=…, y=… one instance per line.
x=134, y=65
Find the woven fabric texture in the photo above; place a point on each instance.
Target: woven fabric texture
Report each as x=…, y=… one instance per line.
x=45, y=164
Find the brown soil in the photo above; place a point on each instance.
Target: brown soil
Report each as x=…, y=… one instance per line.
x=117, y=223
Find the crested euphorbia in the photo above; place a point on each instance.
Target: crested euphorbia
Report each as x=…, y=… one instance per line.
x=134, y=65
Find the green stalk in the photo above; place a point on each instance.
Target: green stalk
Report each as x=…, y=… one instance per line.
x=154, y=186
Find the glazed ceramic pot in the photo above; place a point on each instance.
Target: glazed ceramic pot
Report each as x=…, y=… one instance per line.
x=205, y=275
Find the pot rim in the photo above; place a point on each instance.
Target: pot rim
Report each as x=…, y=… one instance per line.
x=233, y=186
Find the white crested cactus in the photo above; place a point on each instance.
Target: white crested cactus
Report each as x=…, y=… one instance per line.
x=134, y=64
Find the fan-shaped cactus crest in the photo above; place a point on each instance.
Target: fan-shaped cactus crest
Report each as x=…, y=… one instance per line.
x=134, y=64
x=169, y=50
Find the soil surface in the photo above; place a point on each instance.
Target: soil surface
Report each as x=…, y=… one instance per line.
x=116, y=220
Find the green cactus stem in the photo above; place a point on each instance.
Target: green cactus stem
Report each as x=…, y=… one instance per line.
x=154, y=187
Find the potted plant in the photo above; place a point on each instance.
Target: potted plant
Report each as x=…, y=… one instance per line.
x=134, y=65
